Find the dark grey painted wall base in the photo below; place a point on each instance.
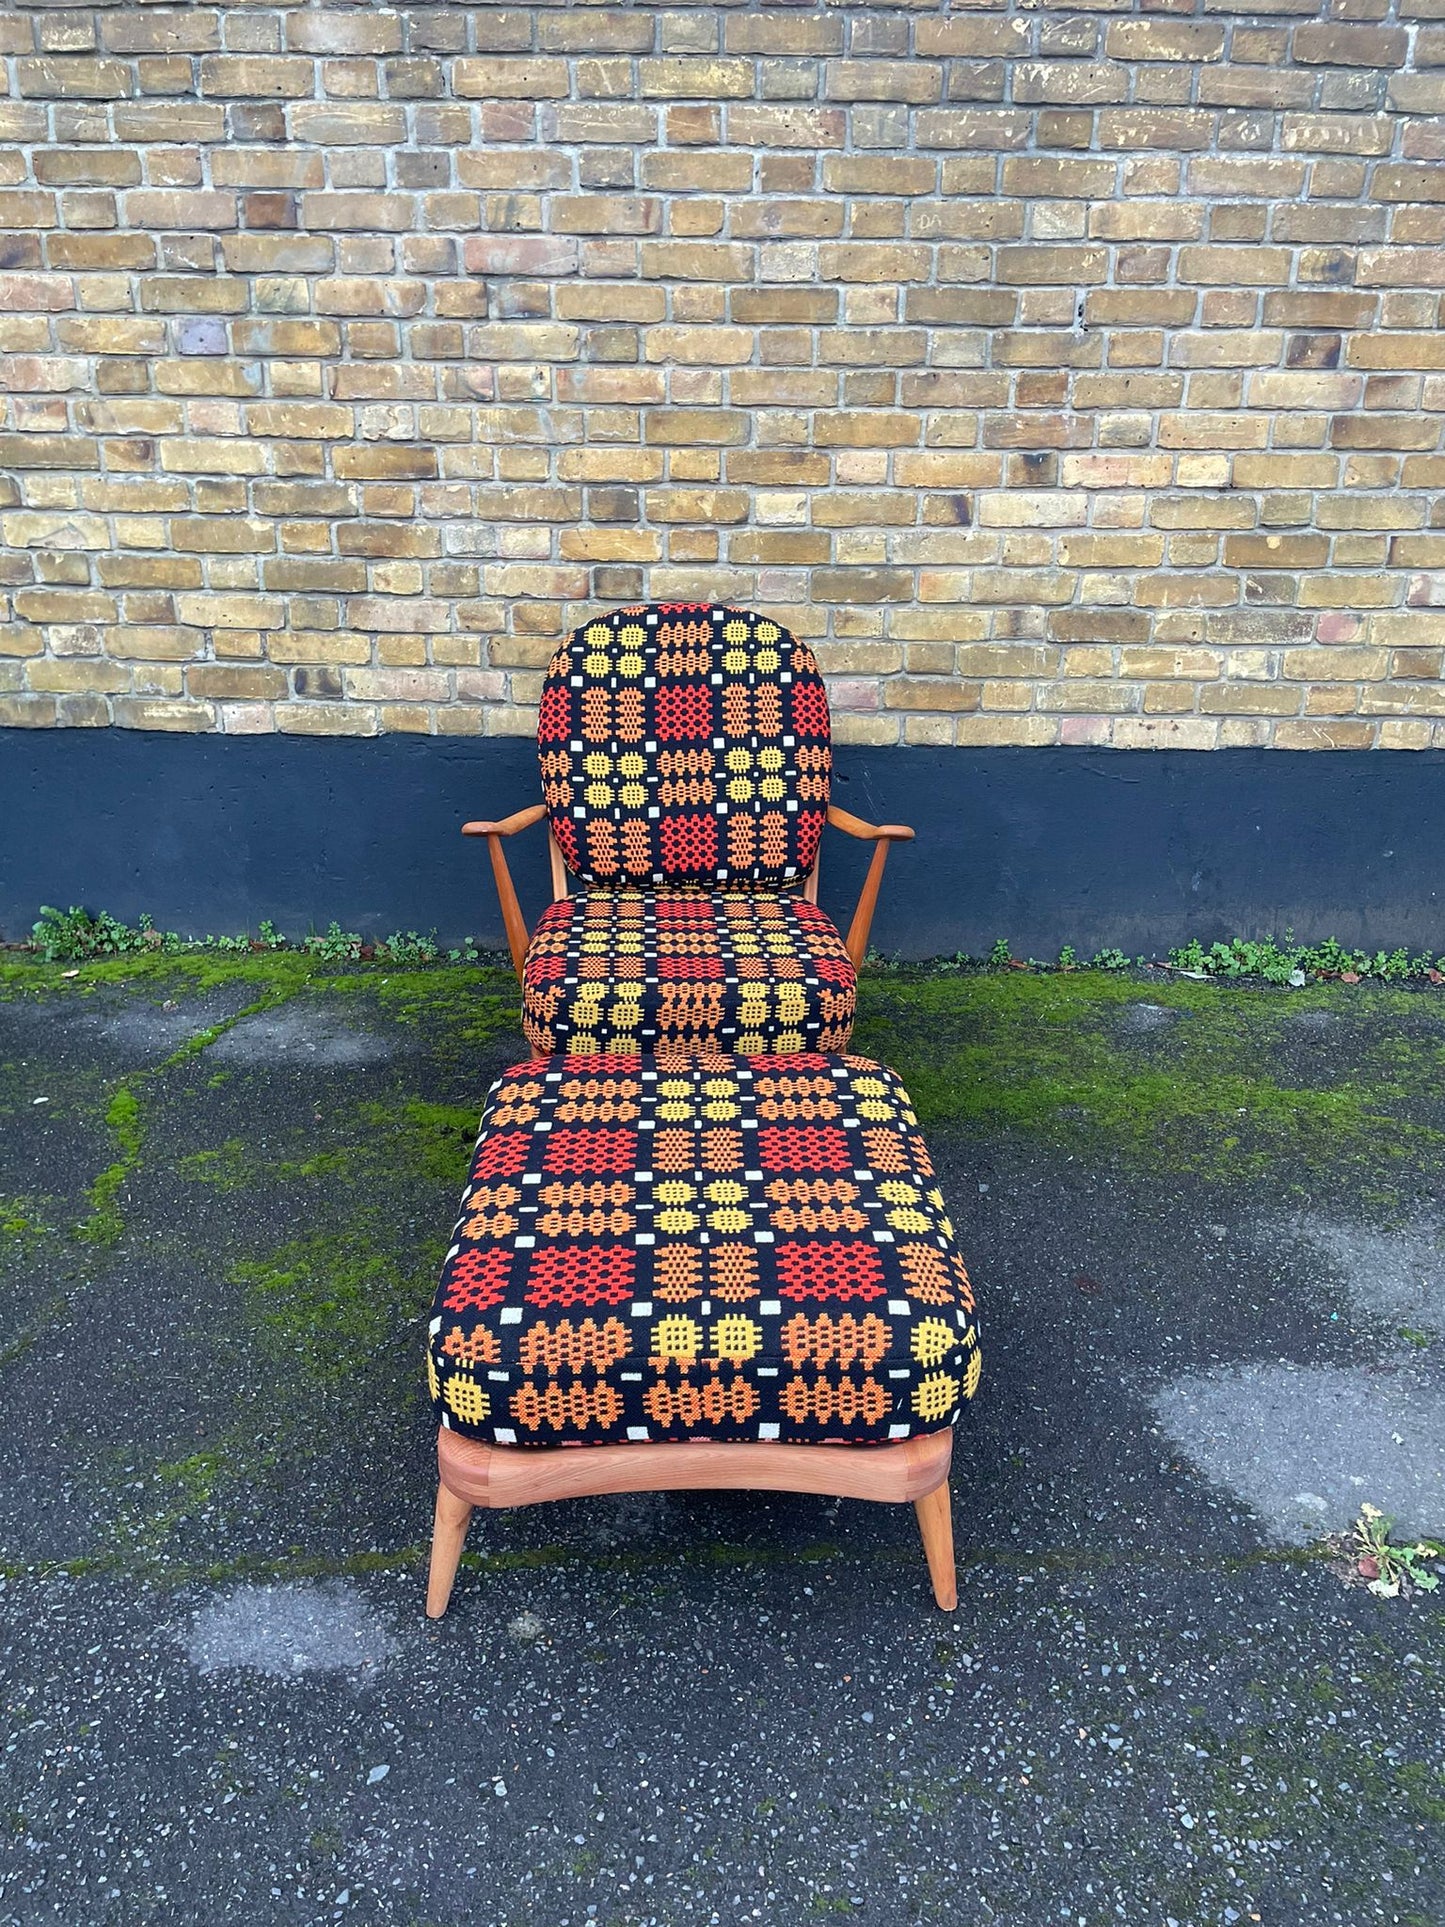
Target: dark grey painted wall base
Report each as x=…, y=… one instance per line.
x=1045, y=847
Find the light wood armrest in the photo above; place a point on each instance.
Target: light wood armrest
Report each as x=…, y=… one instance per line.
x=509, y=825
x=880, y=835
x=868, y=832
x=513, y=921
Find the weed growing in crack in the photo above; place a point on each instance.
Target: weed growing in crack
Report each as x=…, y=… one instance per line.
x=1391, y=1570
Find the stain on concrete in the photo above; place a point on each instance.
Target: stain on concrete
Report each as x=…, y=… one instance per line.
x=1397, y=1274
x=138, y=1031
x=1306, y=1445
x=1142, y=1020
x=300, y=1033
x=288, y=1630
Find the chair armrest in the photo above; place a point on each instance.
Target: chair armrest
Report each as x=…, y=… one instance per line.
x=868, y=832
x=509, y=825
x=513, y=921
x=880, y=835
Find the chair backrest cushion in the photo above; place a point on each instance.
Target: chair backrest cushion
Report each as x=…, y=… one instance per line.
x=683, y=743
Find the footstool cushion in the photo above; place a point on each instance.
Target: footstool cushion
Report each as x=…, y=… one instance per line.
x=680, y=1247
x=642, y=971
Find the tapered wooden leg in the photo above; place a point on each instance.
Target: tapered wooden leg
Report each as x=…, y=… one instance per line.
x=935, y=1522
x=449, y=1532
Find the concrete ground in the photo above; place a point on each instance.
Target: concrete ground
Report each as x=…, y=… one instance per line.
x=1205, y=1228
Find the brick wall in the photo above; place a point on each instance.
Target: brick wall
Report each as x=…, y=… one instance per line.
x=1067, y=373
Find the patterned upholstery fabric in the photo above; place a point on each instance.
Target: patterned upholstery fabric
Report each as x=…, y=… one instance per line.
x=673, y=1247
x=683, y=743
x=637, y=970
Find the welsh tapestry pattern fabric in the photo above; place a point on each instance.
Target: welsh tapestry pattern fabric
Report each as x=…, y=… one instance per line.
x=641, y=971
x=683, y=743
x=674, y=1247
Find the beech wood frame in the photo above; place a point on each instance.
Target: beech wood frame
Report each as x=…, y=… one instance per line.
x=472, y=1474
x=880, y=835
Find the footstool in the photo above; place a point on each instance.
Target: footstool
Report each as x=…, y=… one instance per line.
x=682, y=1271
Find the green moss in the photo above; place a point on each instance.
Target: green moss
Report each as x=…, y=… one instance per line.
x=474, y=1003
x=123, y=1117
x=180, y=1489
x=24, y=1224
x=282, y=971
x=1046, y=1055
x=332, y=1302
x=195, y=1478
x=1316, y=1780
x=431, y=1143
x=104, y=1225
x=41, y=1320
x=229, y=1167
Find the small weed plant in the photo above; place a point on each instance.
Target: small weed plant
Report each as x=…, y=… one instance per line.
x=1292, y=963
x=409, y=947
x=334, y=945
x=76, y=936
x=1390, y=1570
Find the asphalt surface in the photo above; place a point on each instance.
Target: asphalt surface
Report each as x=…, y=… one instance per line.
x=1159, y=1700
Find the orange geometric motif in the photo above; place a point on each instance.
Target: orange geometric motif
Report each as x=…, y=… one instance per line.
x=587, y=1344
x=475, y=1347
x=678, y=1272
x=843, y=1403
x=687, y=1406
x=573, y=1408
x=927, y=1272
x=844, y=1341
x=732, y=1272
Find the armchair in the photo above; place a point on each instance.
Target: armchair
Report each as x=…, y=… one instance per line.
x=685, y=753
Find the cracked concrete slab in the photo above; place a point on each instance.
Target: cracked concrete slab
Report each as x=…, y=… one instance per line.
x=137, y=1030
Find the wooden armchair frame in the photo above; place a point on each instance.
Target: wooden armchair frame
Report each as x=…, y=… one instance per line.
x=880, y=835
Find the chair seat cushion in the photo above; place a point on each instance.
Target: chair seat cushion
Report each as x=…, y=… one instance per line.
x=701, y=1247
x=630, y=971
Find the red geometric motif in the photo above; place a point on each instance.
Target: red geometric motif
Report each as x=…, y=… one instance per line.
x=591, y=1150
x=830, y=1271
x=477, y=1280
x=689, y=843
x=580, y=1275
x=554, y=715
x=684, y=713
x=804, y=1147
x=502, y=1154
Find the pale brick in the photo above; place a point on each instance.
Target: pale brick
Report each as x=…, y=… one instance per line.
x=506, y=77
x=256, y=76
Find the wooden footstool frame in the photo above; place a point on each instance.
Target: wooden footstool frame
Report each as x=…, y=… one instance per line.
x=473, y=1474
